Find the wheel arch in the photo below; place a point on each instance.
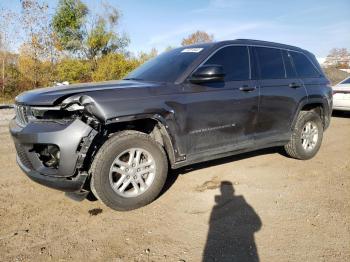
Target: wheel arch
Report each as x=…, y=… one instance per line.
x=317, y=105
x=153, y=124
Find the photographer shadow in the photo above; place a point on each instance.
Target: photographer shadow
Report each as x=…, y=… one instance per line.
x=232, y=225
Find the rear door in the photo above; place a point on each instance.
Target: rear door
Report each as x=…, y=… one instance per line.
x=222, y=115
x=280, y=94
x=312, y=79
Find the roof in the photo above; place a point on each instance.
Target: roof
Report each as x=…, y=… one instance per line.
x=260, y=42
x=248, y=42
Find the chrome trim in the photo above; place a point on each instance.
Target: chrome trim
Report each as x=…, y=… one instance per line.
x=24, y=113
x=21, y=115
x=250, y=66
x=46, y=108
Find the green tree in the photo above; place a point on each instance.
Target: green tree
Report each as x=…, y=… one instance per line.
x=68, y=23
x=89, y=35
x=73, y=70
x=114, y=66
x=34, y=71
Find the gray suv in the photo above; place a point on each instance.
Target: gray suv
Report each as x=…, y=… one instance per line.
x=116, y=140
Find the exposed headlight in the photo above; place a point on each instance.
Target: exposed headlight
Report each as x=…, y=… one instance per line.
x=74, y=107
x=72, y=103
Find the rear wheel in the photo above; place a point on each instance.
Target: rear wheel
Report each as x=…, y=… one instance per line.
x=306, y=137
x=129, y=171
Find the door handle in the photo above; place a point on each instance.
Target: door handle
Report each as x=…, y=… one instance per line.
x=247, y=88
x=294, y=85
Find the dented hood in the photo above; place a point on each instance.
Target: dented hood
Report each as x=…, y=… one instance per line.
x=54, y=95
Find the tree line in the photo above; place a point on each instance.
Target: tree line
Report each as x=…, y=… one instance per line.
x=72, y=44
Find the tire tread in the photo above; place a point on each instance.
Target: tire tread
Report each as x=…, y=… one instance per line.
x=99, y=158
x=292, y=147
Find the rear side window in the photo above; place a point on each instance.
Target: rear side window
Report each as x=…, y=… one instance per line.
x=303, y=66
x=235, y=61
x=271, y=63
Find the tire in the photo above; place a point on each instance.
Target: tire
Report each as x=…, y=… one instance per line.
x=297, y=146
x=106, y=173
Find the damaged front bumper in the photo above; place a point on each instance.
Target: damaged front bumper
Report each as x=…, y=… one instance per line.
x=71, y=138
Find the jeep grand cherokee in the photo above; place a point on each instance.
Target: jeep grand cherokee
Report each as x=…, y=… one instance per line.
x=116, y=139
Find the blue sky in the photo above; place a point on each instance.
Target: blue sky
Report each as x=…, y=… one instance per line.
x=314, y=25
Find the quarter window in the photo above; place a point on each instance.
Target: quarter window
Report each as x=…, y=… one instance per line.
x=234, y=60
x=303, y=66
x=271, y=63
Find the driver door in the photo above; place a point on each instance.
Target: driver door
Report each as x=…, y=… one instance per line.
x=221, y=116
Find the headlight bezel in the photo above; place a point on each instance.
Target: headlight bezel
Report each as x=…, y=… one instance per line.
x=63, y=111
x=54, y=113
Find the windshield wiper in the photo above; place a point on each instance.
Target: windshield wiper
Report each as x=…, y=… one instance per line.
x=133, y=78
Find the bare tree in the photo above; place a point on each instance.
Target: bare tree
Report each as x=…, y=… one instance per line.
x=338, y=57
x=8, y=34
x=40, y=42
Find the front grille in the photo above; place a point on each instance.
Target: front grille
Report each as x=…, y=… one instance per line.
x=21, y=152
x=22, y=114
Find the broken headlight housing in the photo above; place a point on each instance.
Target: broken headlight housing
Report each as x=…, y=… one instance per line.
x=37, y=113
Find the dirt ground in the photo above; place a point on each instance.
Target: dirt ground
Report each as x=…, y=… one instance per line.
x=260, y=206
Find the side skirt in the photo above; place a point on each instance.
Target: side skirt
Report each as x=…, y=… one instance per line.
x=207, y=156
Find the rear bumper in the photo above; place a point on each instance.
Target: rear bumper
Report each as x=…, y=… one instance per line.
x=60, y=183
x=341, y=108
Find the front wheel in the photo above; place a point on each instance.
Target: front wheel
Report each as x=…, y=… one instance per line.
x=307, y=136
x=129, y=171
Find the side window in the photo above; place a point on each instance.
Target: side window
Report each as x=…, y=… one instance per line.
x=303, y=66
x=288, y=65
x=271, y=63
x=235, y=61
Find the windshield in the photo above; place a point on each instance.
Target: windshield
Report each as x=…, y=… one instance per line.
x=168, y=66
x=346, y=81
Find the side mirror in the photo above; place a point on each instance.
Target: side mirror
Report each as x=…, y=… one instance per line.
x=208, y=73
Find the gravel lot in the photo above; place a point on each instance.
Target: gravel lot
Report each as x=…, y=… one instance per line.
x=257, y=206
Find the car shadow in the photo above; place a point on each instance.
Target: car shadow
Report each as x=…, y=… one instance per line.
x=342, y=114
x=174, y=174
x=232, y=225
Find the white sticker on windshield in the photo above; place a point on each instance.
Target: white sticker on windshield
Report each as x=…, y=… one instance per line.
x=191, y=50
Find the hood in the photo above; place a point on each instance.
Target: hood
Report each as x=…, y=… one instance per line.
x=53, y=95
